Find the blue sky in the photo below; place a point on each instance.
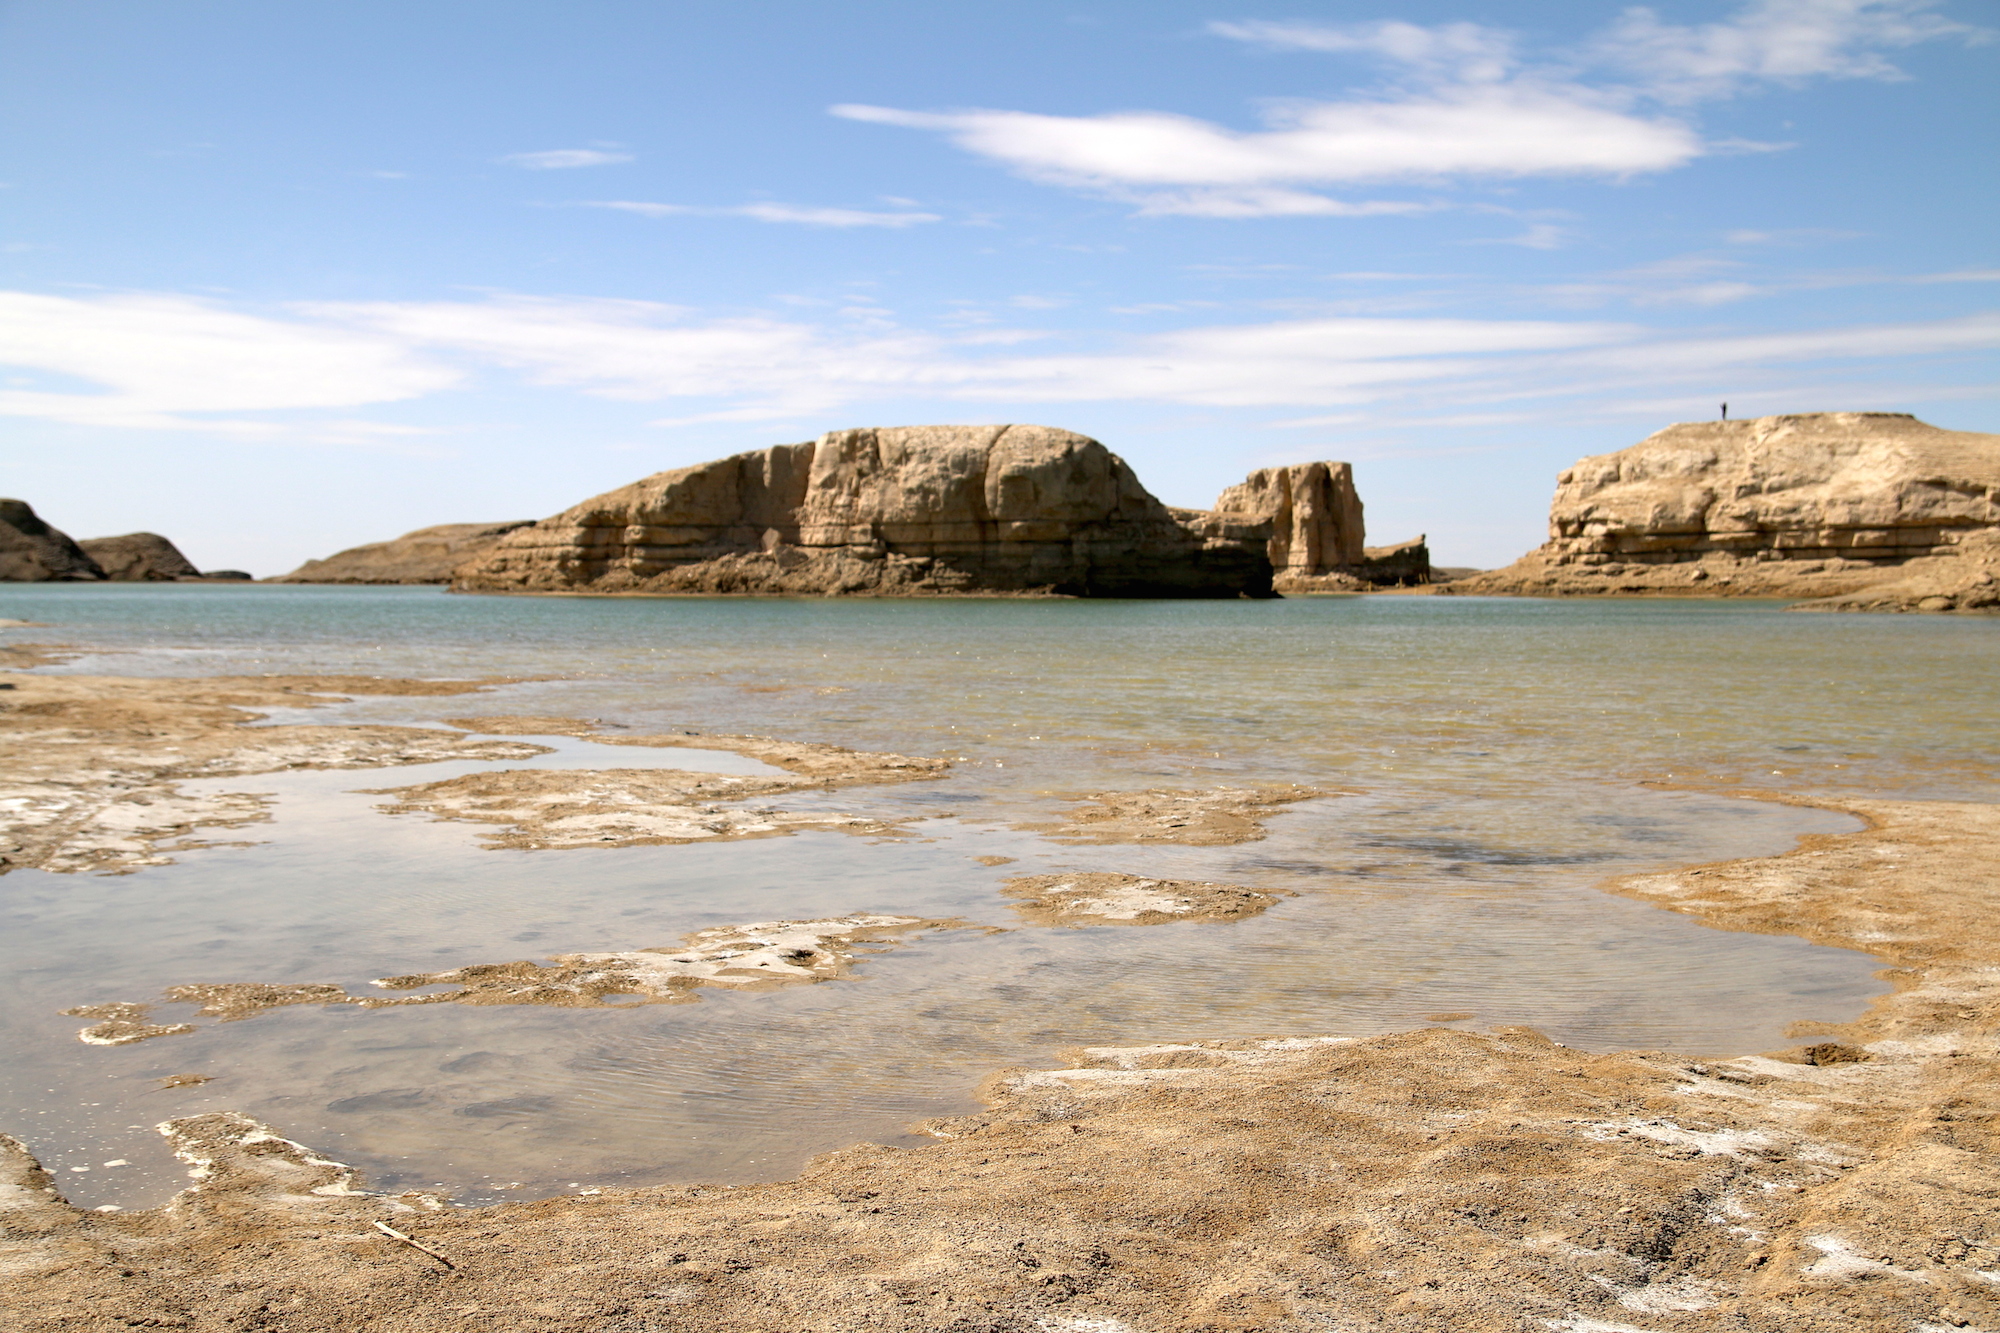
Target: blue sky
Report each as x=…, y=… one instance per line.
x=279, y=279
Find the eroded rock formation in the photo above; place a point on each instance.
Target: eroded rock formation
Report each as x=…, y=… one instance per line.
x=896, y=511
x=33, y=552
x=427, y=555
x=139, y=557
x=1814, y=505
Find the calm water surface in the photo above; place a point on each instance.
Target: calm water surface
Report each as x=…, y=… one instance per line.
x=1498, y=751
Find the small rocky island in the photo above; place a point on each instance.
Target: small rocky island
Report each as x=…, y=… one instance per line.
x=941, y=510
x=1851, y=510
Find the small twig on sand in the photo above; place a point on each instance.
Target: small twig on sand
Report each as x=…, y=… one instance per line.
x=413, y=1243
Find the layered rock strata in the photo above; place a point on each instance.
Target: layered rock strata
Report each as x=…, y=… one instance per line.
x=896, y=511
x=33, y=552
x=427, y=555
x=928, y=510
x=1815, y=505
x=139, y=557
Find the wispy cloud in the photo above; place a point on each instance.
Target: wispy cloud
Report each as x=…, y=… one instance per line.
x=1176, y=164
x=1786, y=42
x=167, y=362
x=560, y=159
x=792, y=213
x=1461, y=105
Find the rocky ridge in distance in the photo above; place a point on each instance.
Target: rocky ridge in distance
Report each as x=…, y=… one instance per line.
x=939, y=510
x=139, y=557
x=427, y=555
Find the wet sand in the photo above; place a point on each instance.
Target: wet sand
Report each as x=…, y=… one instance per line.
x=1427, y=1180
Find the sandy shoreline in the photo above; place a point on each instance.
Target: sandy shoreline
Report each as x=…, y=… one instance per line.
x=1435, y=1179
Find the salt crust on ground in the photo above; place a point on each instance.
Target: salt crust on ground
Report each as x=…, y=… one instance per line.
x=93, y=766
x=547, y=809
x=1100, y=898
x=1434, y=1180
x=1210, y=817
x=763, y=955
x=93, y=763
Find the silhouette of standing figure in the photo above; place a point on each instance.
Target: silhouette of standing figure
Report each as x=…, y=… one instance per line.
x=1725, y=411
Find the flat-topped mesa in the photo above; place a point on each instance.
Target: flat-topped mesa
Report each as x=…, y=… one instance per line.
x=1876, y=486
x=894, y=511
x=1811, y=505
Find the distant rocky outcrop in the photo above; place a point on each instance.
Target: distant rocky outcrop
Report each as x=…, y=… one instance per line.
x=896, y=511
x=1824, y=504
x=1313, y=517
x=33, y=552
x=427, y=555
x=139, y=557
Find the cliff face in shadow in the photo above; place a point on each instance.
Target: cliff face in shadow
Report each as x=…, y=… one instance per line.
x=1824, y=504
x=33, y=552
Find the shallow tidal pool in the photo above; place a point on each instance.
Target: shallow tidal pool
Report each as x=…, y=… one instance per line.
x=1498, y=759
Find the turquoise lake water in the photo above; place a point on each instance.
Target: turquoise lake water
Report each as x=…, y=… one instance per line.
x=1504, y=758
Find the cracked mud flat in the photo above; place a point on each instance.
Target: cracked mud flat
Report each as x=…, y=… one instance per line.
x=93, y=763
x=1215, y=817
x=1100, y=898
x=763, y=955
x=1433, y=1180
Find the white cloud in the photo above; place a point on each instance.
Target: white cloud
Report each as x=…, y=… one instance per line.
x=1538, y=236
x=804, y=216
x=558, y=159
x=155, y=359
x=1499, y=132
x=1771, y=41
x=1462, y=106
x=1466, y=51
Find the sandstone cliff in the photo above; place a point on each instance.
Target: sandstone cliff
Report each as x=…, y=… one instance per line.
x=427, y=555
x=139, y=557
x=1815, y=505
x=33, y=552
x=928, y=510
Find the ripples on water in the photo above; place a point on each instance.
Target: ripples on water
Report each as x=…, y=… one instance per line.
x=1495, y=748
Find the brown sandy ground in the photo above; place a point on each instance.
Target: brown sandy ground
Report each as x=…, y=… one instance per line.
x=92, y=763
x=1099, y=898
x=763, y=955
x=1215, y=817
x=1436, y=1180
